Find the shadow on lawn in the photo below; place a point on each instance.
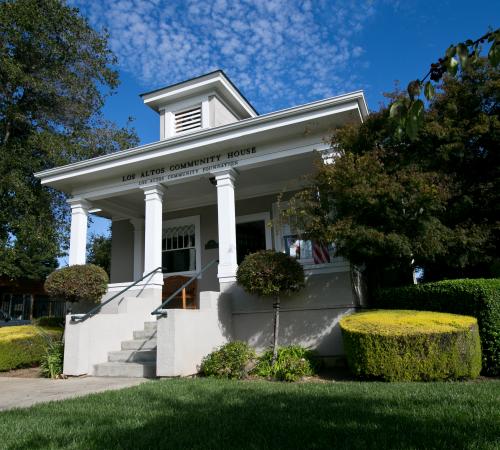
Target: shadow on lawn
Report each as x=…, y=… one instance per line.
x=209, y=414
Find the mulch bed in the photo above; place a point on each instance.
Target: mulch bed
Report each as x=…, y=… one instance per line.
x=28, y=372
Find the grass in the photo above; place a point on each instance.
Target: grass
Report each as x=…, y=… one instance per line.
x=208, y=413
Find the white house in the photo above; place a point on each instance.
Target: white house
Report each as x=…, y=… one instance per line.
x=195, y=203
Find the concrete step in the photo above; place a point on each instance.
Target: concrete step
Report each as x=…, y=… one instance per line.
x=139, y=344
x=144, y=334
x=132, y=356
x=150, y=325
x=126, y=369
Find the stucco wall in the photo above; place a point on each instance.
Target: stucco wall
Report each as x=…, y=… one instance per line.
x=122, y=251
x=309, y=318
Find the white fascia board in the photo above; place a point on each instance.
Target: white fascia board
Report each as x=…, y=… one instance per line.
x=202, y=138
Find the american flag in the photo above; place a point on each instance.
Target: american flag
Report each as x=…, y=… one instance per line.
x=320, y=253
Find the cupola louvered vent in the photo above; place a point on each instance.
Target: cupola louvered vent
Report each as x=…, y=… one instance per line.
x=188, y=119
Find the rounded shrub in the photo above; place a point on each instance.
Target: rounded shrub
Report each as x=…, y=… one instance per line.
x=401, y=345
x=78, y=283
x=270, y=274
x=292, y=363
x=232, y=360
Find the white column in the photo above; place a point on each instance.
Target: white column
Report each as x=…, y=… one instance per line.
x=78, y=234
x=153, y=198
x=138, y=225
x=227, y=226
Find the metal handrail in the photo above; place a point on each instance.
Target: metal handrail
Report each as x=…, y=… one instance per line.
x=159, y=311
x=81, y=318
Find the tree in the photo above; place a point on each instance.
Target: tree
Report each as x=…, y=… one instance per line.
x=55, y=73
x=99, y=252
x=394, y=204
x=408, y=110
x=271, y=274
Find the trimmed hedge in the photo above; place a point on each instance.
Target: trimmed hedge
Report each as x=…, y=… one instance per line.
x=86, y=282
x=479, y=298
x=23, y=346
x=404, y=345
x=45, y=321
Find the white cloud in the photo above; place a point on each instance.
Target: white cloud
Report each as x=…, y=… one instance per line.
x=279, y=52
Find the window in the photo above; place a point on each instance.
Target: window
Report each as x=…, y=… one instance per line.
x=289, y=240
x=181, y=246
x=188, y=119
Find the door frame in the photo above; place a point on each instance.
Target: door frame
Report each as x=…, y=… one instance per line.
x=266, y=217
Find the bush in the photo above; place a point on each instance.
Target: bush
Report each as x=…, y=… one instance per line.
x=292, y=363
x=478, y=298
x=78, y=283
x=52, y=361
x=53, y=322
x=232, y=360
x=23, y=346
x=269, y=274
x=411, y=345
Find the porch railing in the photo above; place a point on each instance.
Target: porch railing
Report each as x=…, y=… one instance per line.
x=94, y=311
x=161, y=309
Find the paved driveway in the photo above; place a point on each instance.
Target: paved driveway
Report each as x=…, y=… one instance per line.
x=24, y=392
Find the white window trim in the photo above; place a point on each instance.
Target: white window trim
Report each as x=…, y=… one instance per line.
x=190, y=220
x=266, y=217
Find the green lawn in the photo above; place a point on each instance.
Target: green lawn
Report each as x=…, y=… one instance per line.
x=201, y=413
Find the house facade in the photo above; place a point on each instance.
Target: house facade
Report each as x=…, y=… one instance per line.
x=189, y=207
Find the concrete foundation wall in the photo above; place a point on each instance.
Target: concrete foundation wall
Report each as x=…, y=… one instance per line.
x=88, y=343
x=186, y=336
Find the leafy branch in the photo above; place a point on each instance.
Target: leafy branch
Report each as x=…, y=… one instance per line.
x=408, y=111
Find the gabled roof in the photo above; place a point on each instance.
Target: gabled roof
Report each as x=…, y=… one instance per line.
x=214, y=81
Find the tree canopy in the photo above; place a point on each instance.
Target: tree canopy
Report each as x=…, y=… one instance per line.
x=99, y=251
x=394, y=204
x=55, y=74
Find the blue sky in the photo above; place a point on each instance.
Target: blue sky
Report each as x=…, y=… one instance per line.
x=279, y=53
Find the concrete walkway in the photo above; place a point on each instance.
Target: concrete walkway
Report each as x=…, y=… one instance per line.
x=25, y=392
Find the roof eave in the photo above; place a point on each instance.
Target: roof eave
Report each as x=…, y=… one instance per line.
x=353, y=96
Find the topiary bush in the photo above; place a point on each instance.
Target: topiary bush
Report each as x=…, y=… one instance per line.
x=292, y=363
x=479, y=298
x=232, y=360
x=78, y=283
x=271, y=274
x=404, y=345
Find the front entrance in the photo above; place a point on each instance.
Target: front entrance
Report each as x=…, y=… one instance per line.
x=252, y=234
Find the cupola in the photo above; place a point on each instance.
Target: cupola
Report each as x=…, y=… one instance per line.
x=207, y=101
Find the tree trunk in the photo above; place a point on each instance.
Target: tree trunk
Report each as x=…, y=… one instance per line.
x=276, y=307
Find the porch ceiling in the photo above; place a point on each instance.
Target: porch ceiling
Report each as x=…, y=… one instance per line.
x=252, y=182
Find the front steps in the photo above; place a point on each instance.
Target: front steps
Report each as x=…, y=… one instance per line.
x=136, y=359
